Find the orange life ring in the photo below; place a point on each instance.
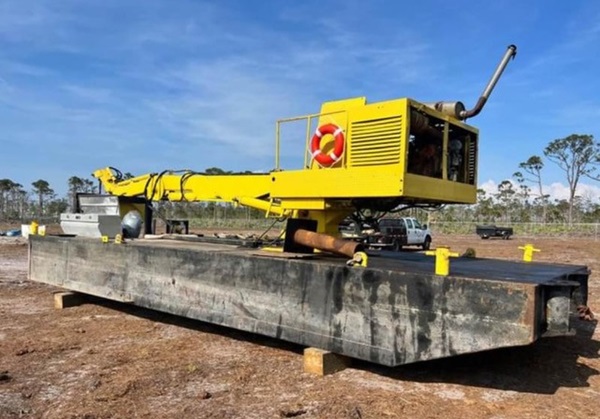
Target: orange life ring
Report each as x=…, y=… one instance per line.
x=327, y=160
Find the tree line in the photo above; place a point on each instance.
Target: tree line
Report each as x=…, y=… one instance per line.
x=522, y=198
x=40, y=201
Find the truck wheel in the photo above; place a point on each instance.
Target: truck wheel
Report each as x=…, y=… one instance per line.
x=397, y=246
x=427, y=243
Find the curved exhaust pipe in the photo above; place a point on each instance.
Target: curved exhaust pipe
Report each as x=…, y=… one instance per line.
x=511, y=52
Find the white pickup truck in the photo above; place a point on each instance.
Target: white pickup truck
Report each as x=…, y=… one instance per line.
x=394, y=233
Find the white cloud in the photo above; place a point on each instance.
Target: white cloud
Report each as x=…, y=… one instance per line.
x=556, y=190
x=559, y=191
x=489, y=186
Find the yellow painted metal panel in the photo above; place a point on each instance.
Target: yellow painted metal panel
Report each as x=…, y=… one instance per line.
x=424, y=188
x=337, y=183
x=306, y=204
x=377, y=135
x=335, y=112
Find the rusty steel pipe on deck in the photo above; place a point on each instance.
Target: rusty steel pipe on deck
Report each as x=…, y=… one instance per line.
x=327, y=243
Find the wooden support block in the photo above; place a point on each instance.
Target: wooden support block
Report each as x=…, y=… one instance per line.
x=67, y=299
x=320, y=362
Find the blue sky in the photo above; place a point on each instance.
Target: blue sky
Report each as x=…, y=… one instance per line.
x=153, y=85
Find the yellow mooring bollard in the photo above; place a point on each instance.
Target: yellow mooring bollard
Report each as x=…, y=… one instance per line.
x=442, y=259
x=360, y=260
x=528, y=250
x=33, y=228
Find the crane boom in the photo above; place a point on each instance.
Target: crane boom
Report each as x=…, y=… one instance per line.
x=251, y=190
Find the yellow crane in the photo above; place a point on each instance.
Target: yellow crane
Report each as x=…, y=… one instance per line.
x=362, y=156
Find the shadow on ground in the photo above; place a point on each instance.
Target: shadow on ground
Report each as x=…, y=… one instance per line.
x=542, y=367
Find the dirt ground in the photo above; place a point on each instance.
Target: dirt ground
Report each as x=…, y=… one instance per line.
x=108, y=360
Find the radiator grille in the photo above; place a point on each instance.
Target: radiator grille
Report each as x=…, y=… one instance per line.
x=376, y=142
x=472, y=163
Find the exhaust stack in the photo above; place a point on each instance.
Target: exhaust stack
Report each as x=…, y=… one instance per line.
x=457, y=109
x=511, y=52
